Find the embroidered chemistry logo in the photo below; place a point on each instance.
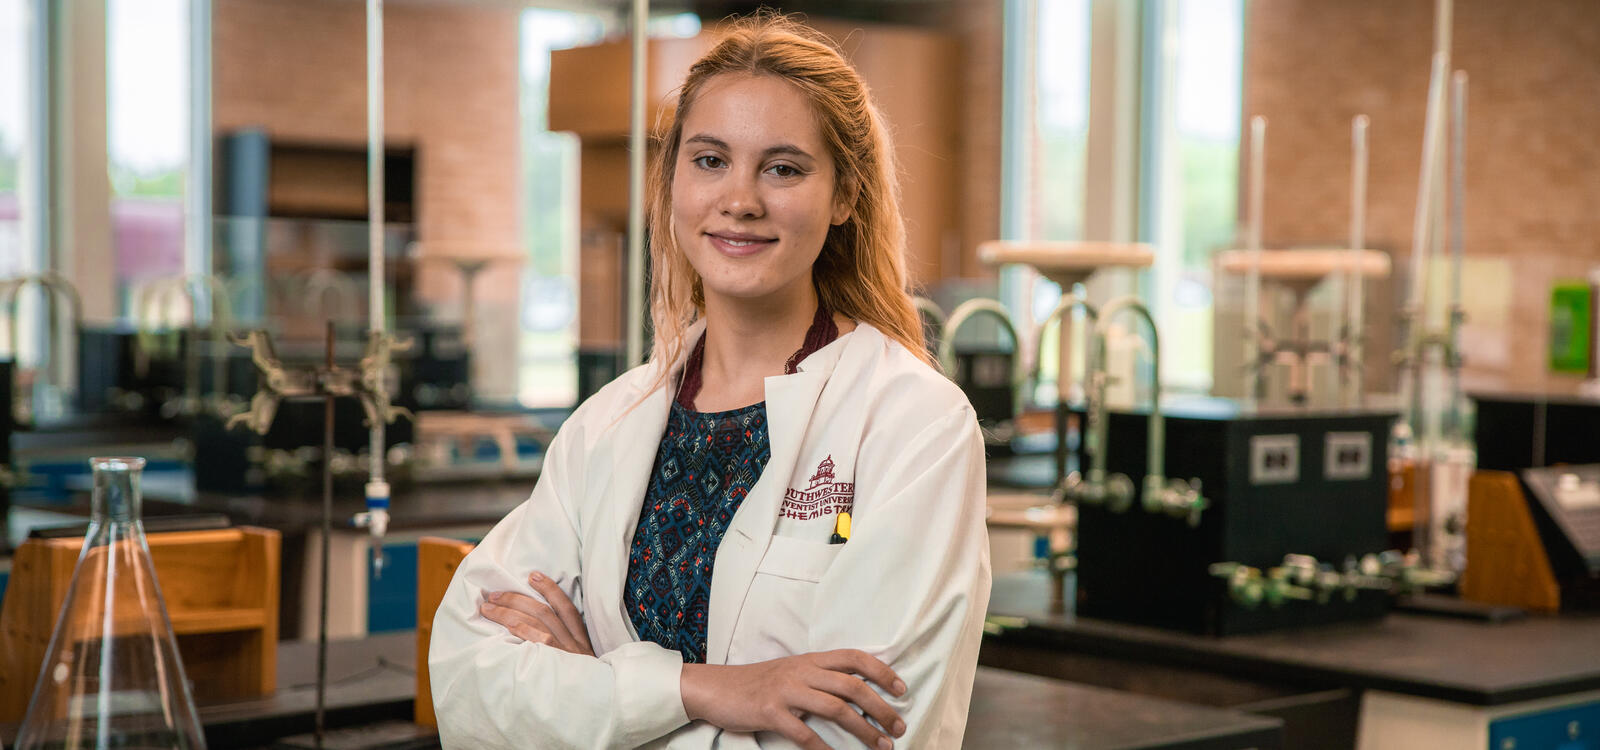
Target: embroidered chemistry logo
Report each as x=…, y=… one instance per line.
x=824, y=496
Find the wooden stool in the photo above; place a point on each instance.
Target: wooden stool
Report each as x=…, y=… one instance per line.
x=437, y=560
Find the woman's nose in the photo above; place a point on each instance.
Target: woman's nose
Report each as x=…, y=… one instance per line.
x=742, y=199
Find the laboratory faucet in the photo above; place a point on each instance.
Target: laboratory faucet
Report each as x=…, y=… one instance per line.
x=959, y=317
x=53, y=285
x=1061, y=314
x=931, y=314
x=1175, y=497
x=153, y=303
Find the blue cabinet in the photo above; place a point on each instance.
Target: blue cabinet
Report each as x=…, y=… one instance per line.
x=1570, y=728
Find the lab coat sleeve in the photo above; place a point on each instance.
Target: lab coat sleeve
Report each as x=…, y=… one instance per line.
x=494, y=690
x=911, y=586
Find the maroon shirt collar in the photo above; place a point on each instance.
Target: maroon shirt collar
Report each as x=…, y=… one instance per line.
x=821, y=333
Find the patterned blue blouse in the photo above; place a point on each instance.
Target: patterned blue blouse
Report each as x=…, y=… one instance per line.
x=707, y=463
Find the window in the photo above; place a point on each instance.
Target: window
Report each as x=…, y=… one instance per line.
x=1193, y=84
x=14, y=81
x=1046, y=132
x=1190, y=86
x=547, y=375
x=147, y=132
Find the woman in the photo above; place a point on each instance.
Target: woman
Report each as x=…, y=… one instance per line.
x=771, y=534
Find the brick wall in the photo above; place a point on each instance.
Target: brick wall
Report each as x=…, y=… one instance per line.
x=1533, y=158
x=297, y=68
x=979, y=25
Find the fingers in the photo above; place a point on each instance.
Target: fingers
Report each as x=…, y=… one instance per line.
x=830, y=707
x=860, y=662
x=542, y=614
x=515, y=621
x=796, y=731
x=563, y=608
x=857, y=692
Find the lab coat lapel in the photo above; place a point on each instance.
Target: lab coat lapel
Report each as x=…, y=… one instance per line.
x=791, y=404
x=633, y=443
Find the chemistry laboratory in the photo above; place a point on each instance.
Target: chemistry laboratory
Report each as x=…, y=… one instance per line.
x=752, y=374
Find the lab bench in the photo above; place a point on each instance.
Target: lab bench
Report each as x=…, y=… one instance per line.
x=1406, y=681
x=372, y=680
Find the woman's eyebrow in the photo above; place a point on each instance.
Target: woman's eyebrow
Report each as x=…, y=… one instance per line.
x=707, y=140
x=782, y=149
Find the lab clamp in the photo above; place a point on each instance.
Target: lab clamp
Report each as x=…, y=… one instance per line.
x=367, y=383
x=1304, y=578
x=1298, y=272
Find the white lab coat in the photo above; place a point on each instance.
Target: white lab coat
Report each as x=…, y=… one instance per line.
x=910, y=587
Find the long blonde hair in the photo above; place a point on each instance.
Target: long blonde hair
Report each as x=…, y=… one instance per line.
x=861, y=272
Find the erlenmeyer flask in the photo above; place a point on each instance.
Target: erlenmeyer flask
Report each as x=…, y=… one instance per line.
x=112, y=677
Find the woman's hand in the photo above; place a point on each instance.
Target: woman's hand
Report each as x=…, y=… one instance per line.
x=775, y=695
x=557, y=624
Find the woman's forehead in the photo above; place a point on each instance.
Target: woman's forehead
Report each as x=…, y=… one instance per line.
x=743, y=110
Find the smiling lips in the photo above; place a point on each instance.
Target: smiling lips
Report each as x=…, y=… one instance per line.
x=739, y=245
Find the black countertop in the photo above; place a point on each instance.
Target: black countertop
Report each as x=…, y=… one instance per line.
x=1012, y=710
x=423, y=506
x=1456, y=660
x=373, y=680
x=369, y=680
x=411, y=507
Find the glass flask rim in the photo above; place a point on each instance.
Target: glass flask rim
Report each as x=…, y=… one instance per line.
x=125, y=463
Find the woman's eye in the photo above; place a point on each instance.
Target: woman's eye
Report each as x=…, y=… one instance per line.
x=708, y=162
x=783, y=170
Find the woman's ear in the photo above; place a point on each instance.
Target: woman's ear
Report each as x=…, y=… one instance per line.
x=844, y=201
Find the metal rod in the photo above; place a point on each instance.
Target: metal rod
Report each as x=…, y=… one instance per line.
x=1443, y=23
x=375, y=157
x=327, y=531
x=1252, y=282
x=1415, y=312
x=636, y=198
x=197, y=229
x=1458, y=188
x=1358, y=239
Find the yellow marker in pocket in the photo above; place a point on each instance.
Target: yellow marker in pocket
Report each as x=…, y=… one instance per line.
x=841, y=529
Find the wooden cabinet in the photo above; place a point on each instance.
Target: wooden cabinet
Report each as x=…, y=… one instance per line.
x=221, y=593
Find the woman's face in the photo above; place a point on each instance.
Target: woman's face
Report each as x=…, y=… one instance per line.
x=753, y=188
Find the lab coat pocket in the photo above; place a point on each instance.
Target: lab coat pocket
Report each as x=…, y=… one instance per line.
x=775, y=620
x=797, y=559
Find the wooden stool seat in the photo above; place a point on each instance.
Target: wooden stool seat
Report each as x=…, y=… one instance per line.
x=1306, y=265
x=1067, y=262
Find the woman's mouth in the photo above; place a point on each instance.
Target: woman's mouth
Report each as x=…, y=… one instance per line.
x=739, y=245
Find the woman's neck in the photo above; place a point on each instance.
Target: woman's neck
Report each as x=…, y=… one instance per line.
x=748, y=341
